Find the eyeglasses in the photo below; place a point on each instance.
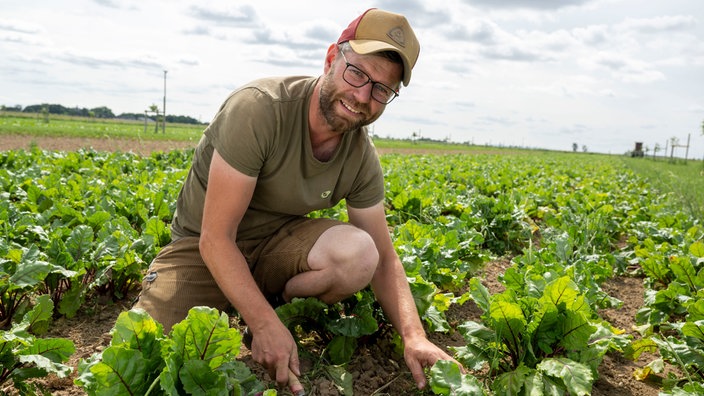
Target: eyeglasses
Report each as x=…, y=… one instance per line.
x=357, y=78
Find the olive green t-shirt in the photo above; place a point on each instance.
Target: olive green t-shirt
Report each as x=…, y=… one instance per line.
x=262, y=131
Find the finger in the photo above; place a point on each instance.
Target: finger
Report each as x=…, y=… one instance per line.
x=294, y=385
x=417, y=372
x=293, y=363
x=282, y=374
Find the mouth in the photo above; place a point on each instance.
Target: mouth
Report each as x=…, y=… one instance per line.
x=350, y=108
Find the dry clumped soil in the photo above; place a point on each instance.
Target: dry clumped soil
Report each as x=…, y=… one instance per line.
x=376, y=369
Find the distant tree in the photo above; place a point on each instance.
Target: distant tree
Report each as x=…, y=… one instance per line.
x=575, y=146
x=584, y=148
x=11, y=108
x=103, y=112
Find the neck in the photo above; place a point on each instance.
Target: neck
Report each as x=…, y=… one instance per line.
x=323, y=139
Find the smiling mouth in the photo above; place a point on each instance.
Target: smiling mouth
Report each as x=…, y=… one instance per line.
x=350, y=108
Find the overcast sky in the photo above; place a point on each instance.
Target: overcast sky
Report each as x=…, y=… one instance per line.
x=533, y=73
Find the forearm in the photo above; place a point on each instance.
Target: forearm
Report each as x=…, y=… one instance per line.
x=231, y=272
x=393, y=293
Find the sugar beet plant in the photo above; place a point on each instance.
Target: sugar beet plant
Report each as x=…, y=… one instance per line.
x=80, y=224
x=198, y=357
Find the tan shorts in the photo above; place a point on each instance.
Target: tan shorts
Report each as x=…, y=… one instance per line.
x=178, y=278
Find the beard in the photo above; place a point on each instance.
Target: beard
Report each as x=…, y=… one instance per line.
x=328, y=103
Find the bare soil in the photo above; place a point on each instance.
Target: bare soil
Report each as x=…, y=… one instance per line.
x=376, y=369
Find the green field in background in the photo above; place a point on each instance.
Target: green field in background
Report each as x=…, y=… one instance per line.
x=685, y=180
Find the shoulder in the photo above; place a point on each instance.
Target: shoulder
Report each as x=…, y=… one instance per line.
x=281, y=88
x=361, y=143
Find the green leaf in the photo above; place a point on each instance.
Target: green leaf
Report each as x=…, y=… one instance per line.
x=300, y=311
x=342, y=378
x=512, y=382
x=120, y=372
x=42, y=366
x=577, y=377
x=478, y=348
x=576, y=331
x=30, y=270
x=159, y=230
x=561, y=291
x=56, y=350
x=80, y=242
x=480, y=294
x=204, y=335
x=544, y=328
x=37, y=320
x=684, y=271
x=538, y=384
x=135, y=329
x=341, y=349
x=198, y=379
x=694, y=329
x=697, y=249
x=508, y=322
x=447, y=379
x=72, y=300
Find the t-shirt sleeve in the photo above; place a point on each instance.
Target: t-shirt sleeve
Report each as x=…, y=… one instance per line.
x=243, y=129
x=368, y=189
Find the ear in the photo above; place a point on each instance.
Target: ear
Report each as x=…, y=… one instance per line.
x=330, y=57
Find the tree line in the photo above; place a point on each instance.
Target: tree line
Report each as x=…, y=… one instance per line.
x=96, y=112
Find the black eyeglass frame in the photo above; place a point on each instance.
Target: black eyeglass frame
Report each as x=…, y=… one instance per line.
x=369, y=80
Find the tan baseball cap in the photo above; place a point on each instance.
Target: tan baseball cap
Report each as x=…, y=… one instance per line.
x=377, y=30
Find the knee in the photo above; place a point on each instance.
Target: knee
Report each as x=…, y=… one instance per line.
x=357, y=257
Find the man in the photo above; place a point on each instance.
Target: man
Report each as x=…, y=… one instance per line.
x=278, y=149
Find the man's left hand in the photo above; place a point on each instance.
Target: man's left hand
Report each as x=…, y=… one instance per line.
x=422, y=354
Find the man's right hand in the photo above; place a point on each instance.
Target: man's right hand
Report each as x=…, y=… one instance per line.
x=273, y=347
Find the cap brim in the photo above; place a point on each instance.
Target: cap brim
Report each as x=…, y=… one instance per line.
x=364, y=47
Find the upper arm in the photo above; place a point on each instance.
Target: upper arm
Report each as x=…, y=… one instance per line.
x=227, y=198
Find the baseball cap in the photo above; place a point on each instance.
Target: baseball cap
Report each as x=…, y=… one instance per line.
x=378, y=30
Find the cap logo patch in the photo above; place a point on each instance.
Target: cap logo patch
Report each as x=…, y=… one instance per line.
x=396, y=34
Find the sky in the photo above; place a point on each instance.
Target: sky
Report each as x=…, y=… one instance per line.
x=546, y=74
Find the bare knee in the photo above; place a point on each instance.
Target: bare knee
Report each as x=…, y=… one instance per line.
x=346, y=258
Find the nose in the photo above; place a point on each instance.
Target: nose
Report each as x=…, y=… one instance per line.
x=363, y=94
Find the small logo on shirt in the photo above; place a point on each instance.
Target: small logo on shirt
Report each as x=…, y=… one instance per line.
x=325, y=194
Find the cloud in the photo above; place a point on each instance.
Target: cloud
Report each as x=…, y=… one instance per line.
x=527, y=4
x=512, y=52
x=477, y=31
x=92, y=61
x=242, y=16
x=659, y=24
x=19, y=27
x=625, y=68
x=417, y=12
x=107, y=3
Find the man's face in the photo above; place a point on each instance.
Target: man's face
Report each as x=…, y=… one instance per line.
x=346, y=108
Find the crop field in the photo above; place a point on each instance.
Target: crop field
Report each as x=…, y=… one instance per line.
x=79, y=228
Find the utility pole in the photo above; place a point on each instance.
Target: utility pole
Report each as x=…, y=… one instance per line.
x=163, y=125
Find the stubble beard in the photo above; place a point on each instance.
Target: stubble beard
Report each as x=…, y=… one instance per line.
x=327, y=109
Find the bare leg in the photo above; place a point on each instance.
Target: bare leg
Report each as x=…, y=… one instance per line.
x=342, y=262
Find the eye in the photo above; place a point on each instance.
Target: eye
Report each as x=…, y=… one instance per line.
x=383, y=91
x=357, y=74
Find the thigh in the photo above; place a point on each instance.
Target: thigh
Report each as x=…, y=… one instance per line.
x=178, y=280
x=285, y=254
